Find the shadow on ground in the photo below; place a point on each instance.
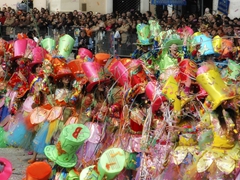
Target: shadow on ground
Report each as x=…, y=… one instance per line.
x=18, y=157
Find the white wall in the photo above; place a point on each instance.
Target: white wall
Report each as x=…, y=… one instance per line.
x=153, y=9
x=55, y=5
x=102, y=6
x=109, y=6
x=215, y=6
x=10, y=3
x=96, y=5
x=69, y=5
x=144, y=6
x=234, y=8
x=40, y=4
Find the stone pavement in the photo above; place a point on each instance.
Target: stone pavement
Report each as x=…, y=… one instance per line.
x=18, y=157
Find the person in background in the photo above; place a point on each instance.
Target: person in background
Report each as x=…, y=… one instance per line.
x=2, y=18
x=83, y=41
x=124, y=31
x=207, y=13
x=165, y=14
x=69, y=23
x=8, y=22
x=148, y=14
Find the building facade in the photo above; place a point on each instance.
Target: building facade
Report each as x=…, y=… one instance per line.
x=233, y=11
x=108, y=6
x=102, y=6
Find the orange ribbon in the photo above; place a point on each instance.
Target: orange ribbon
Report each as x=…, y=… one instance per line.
x=59, y=149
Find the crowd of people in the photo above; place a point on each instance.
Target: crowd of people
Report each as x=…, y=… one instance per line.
x=122, y=24
x=170, y=111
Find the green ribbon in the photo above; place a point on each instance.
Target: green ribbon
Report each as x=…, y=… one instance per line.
x=3, y=143
x=166, y=61
x=7, y=101
x=137, y=70
x=72, y=175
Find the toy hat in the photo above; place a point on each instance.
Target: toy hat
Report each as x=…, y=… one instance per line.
x=137, y=72
x=70, y=139
x=119, y=72
x=65, y=45
x=206, y=45
x=57, y=62
x=19, y=48
x=234, y=70
x=38, y=55
x=144, y=36
x=154, y=95
x=23, y=48
x=89, y=173
x=211, y=81
x=49, y=44
x=62, y=71
x=113, y=60
x=31, y=44
x=171, y=39
x=77, y=71
x=188, y=68
x=5, y=168
x=38, y=171
x=196, y=34
x=194, y=41
x=110, y=63
x=94, y=73
x=171, y=91
x=60, y=68
x=227, y=48
x=102, y=58
x=217, y=44
x=111, y=163
x=83, y=52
